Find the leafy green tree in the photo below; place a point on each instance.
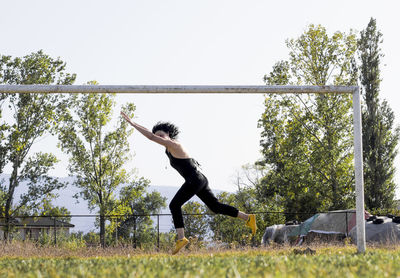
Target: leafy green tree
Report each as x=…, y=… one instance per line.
x=30, y=117
x=307, y=140
x=196, y=225
x=134, y=200
x=380, y=136
x=97, y=156
x=46, y=208
x=225, y=228
x=3, y=156
x=248, y=196
x=233, y=230
x=3, y=146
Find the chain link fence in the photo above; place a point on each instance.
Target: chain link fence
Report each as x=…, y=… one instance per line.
x=143, y=231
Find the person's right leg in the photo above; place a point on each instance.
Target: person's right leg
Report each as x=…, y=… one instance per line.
x=183, y=195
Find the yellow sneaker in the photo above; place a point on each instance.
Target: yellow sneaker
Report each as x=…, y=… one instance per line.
x=180, y=244
x=251, y=222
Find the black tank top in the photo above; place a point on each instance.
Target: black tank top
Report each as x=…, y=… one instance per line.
x=186, y=167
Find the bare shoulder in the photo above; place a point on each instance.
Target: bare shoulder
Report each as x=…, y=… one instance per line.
x=177, y=150
x=174, y=146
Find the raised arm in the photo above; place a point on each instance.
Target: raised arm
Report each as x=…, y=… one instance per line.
x=150, y=135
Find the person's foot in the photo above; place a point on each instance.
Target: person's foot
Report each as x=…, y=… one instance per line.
x=251, y=222
x=180, y=244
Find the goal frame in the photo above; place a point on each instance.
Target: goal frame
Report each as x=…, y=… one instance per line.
x=232, y=89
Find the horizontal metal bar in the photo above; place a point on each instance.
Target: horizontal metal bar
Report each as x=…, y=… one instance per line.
x=163, y=214
x=167, y=89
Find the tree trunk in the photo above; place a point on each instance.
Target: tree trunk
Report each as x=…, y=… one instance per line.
x=10, y=196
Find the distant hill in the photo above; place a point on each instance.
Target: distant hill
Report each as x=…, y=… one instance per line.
x=79, y=207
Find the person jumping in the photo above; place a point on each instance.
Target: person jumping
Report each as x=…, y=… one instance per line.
x=165, y=134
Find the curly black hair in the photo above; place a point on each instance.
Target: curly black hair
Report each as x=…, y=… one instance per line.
x=167, y=127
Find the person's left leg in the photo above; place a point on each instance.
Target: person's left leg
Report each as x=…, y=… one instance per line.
x=217, y=207
x=243, y=216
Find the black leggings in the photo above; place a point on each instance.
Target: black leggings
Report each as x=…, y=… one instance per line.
x=197, y=186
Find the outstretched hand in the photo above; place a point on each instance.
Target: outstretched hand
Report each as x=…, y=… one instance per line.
x=126, y=117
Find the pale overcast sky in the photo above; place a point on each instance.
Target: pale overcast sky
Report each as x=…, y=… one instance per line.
x=188, y=43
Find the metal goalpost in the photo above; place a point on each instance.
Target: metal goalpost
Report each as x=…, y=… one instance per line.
x=155, y=89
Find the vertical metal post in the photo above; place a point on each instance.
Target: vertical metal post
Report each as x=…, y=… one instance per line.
x=158, y=231
x=358, y=167
x=347, y=226
x=134, y=232
x=219, y=230
x=55, y=232
x=116, y=231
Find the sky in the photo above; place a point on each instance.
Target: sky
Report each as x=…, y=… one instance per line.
x=187, y=42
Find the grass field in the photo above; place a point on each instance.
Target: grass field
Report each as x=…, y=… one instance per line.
x=328, y=261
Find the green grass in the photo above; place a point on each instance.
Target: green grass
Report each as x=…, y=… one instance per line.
x=327, y=262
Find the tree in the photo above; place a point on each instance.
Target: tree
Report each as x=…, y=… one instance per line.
x=32, y=116
x=97, y=156
x=134, y=200
x=3, y=146
x=196, y=225
x=3, y=158
x=307, y=140
x=233, y=230
x=380, y=137
x=46, y=208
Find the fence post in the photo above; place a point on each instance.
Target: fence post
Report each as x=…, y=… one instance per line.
x=55, y=232
x=134, y=232
x=347, y=227
x=158, y=231
x=116, y=231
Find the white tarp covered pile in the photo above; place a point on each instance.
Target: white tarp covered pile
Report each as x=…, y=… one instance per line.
x=339, y=222
x=333, y=222
x=277, y=233
x=387, y=232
